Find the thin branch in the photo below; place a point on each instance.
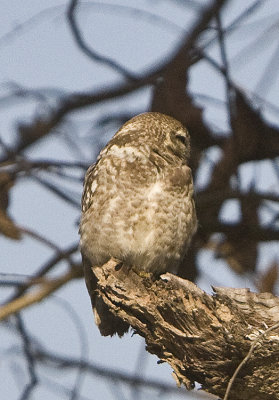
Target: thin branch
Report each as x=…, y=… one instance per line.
x=37, y=277
x=62, y=362
x=205, y=197
x=45, y=289
x=92, y=54
x=27, y=348
x=58, y=388
x=63, y=255
x=57, y=191
x=237, y=230
x=250, y=10
x=45, y=164
x=30, y=133
x=148, y=15
x=269, y=74
x=19, y=280
x=234, y=25
x=27, y=24
x=221, y=40
x=137, y=12
x=247, y=357
x=6, y=148
x=181, y=57
x=40, y=238
x=84, y=345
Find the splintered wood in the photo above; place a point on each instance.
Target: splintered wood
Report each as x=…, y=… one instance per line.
x=203, y=337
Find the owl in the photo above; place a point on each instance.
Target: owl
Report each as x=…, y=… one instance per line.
x=137, y=205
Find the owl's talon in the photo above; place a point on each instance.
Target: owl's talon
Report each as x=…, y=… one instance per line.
x=165, y=277
x=143, y=274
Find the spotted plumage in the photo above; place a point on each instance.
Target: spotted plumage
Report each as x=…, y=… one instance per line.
x=137, y=204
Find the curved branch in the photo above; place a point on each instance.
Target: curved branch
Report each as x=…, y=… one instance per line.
x=71, y=14
x=42, y=125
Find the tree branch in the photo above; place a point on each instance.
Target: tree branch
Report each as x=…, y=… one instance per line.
x=92, y=54
x=46, y=288
x=203, y=337
x=42, y=125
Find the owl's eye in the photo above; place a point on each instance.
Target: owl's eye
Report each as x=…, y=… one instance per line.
x=181, y=138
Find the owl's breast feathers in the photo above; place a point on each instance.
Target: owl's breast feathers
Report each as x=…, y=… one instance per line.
x=137, y=210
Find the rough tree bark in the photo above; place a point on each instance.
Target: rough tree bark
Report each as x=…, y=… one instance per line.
x=203, y=337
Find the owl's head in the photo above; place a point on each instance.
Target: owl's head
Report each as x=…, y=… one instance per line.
x=161, y=132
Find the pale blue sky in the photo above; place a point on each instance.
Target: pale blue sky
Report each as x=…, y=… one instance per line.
x=42, y=54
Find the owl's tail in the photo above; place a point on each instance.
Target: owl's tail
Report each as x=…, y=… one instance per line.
x=107, y=322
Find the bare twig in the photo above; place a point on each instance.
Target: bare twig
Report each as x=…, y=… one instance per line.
x=221, y=40
x=94, y=55
x=40, y=238
x=45, y=289
x=42, y=126
x=231, y=28
x=63, y=362
x=57, y=191
x=38, y=276
x=29, y=358
x=247, y=357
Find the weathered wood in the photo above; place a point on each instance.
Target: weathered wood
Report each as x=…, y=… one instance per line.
x=203, y=337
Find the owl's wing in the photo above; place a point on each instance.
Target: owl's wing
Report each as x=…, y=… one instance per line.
x=86, y=199
x=108, y=323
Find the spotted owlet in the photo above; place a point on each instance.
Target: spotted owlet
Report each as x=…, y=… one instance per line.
x=137, y=204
